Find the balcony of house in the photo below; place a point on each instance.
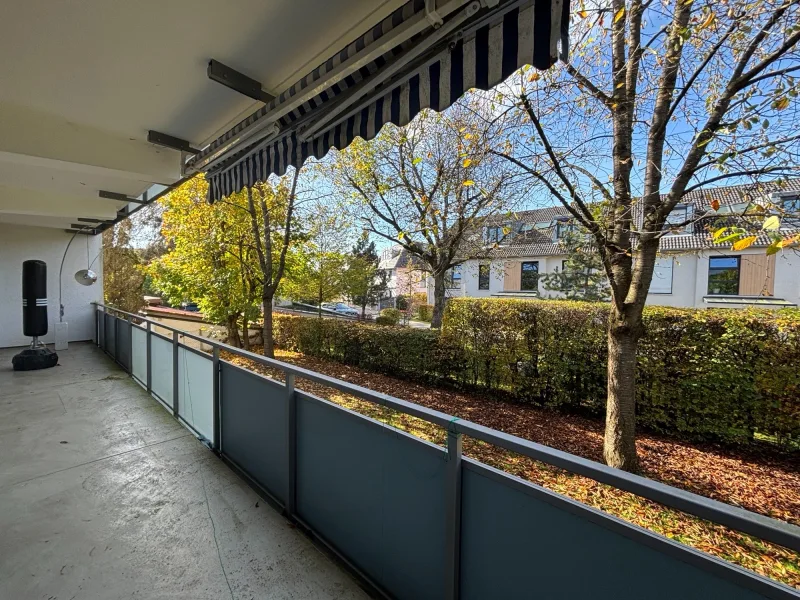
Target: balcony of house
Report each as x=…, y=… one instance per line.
x=144, y=467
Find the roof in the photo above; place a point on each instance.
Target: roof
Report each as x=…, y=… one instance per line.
x=541, y=242
x=738, y=194
x=397, y=257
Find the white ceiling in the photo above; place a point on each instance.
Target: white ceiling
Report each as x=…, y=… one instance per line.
x=82, y=81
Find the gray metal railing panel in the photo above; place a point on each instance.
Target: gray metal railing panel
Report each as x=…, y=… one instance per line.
x=253, y=427
x=161, y=365
x=110, y=329
x=323, y=482
x=375, y=494
x=139, y=354
x=124, y=350
x=517, y=538
x=195, y=390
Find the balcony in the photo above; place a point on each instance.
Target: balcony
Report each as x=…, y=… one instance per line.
x=196, y=478
x=103, y=494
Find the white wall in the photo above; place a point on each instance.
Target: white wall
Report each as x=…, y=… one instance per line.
x=689, y=278
x=19, y=243
x=684, y=283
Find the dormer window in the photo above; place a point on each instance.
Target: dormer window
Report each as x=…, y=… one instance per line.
x=791, y=205
x=563, y=228
x=677, y=220
x=493, y=234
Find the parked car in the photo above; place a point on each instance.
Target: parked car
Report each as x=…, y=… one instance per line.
x=341, y=308
x=190, y=306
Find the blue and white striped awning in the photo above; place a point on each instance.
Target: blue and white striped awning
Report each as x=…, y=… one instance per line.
x=480, y=52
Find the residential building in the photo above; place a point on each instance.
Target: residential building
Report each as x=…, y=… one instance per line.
x=404, y=275
x=691, y=270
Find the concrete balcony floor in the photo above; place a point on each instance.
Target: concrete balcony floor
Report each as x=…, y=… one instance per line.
x=104, y=495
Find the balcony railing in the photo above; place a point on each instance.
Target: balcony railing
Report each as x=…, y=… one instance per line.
x=415, y=520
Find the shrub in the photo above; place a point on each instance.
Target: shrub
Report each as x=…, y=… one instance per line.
x=391, y=316
x=401, y=302
x=722, y=375
x=384, y=320
x=425, y=312
x=412, y=353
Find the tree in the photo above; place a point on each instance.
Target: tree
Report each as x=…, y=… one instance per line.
x=271, y=209
x=659, y=99
x=321, y=274
x=429, y=186
x=123, y=278
x=208, y=246
x=582, y=276
x=364, y=280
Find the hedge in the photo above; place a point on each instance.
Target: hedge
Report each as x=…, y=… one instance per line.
x=721, y=375
x=416, y=354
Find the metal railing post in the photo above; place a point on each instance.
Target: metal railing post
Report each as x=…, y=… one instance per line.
x=216, y=442
x=453, y=516
x=175, y=399
x=291, y=440
x=148, y=359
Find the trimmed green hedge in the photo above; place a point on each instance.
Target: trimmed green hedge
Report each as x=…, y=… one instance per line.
x=404, y=351
x=723, y=375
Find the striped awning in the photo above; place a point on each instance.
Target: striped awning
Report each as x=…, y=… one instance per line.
x=476, y=47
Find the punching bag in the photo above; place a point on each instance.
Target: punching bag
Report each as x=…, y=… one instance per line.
x=34, y=318
x=34, y=298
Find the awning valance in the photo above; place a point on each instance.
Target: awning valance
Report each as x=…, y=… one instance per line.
x=477, y=46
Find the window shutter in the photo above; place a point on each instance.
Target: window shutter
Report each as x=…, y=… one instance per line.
x=512, y=278
x=757, y=275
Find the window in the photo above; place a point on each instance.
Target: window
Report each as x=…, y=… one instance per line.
x=493, y=234
x=723, y=275
x=484, y=272
x=662, y=277
x=564, y=264
x=676, y=220
x=791, y=206
x=563, y=229
x=452, y=278
x=529, y=279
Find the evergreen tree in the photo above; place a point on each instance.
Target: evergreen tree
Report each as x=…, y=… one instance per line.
x=365, y=281
x=582, y=276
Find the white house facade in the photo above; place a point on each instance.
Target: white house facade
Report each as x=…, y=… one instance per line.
x=691, y=271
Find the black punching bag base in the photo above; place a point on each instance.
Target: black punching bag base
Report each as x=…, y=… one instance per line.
x=33, y=359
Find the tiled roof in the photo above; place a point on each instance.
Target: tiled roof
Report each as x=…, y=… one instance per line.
x=737, y=194
x=520, y=250
x=695, y=241
x=540, y=242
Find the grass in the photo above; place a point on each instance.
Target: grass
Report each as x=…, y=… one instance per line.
x=574, y=435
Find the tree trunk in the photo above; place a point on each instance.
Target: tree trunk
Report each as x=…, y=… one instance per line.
x=246, y=331
x=438, y=300
x=619, y=449
x=233, y=332
x=269, y=343
x=364, y=310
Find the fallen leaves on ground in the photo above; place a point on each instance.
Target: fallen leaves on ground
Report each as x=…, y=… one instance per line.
x=763, y=481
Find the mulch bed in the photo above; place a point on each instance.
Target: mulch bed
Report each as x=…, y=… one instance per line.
x=760, y=479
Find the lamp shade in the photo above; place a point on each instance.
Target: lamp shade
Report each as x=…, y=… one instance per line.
x=86, y=277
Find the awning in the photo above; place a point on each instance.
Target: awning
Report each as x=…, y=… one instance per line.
x=477, y=45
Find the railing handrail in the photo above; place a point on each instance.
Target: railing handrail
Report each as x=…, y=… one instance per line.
x=766, y=528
